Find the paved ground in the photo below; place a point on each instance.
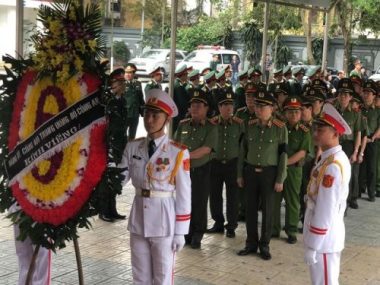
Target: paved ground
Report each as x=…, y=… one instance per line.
x=106, y=255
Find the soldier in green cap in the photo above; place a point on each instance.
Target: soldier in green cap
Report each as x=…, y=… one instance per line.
x=295, y=83
x=155, y=83
x=312, y=73
x=116, y=138
x=135, y=100
x=209, y=87
x=224, y=166
x=311, y=155
x=287, y=73
x=317, y=97
x=194, y=77
x=299, y=140
x=246, y=113
x=214, y=62
x=240, y=89
x=350, y=143
x=262, y=171
x=281, y=93
x=180, y=95
x=367, y=173
x=254, y=76
x=277, y=78
x=201, y=138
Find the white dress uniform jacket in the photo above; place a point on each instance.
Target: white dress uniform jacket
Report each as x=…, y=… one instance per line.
x=324, y=229
x=167, y=171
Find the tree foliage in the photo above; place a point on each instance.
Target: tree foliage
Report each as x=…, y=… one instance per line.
x=121, y=52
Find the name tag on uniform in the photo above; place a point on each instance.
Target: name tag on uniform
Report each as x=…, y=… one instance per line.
x=184, y=132
x=136, y=157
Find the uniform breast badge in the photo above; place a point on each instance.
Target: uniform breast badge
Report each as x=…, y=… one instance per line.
x=162, y=163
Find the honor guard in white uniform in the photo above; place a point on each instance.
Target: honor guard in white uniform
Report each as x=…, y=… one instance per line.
x=24, y=251
x=324, y=230
x=160, y=214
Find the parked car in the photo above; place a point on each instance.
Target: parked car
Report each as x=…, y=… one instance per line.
x=154, y=58
x=201, y=57
x=376, y=75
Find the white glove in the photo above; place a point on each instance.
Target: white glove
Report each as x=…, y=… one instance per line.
x=178, y=242
x=310, y=256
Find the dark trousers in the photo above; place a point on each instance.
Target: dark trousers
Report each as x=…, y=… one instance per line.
x=224, y=173
x=200, y=190
x=348, y=147
x=132, y=124
x=367, y=173
x=259, y=185
x=306, y=172
x=108, y=199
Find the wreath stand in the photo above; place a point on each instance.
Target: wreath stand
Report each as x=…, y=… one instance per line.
x=34, y=257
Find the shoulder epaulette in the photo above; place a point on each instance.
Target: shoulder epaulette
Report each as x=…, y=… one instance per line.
x=237, y=120
x=278, y=123
x=185, y=120
x=253, y=122
x=304, y=128
x=178, y=144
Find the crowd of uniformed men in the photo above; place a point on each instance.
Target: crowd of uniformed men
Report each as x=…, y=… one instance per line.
x=255, y=139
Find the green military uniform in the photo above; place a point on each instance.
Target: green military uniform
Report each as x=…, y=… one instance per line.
x=180, y=96
x=134, y=102
x=152, y=84
x=262, y=163
x=195, y=135
x=224, y=171
x=299, y=138
x=367, y=173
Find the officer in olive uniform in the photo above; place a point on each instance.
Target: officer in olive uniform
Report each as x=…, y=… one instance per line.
x=277, y=78
x=116, y=113
x=296, y=82
x=350, y=143
x=287, y=73
x=312, y=73
x=310, y=158
x=299, y=140
x=280, y=92
x=210, y=89
x=157, y=75
x=193, y=83
x=180, y=95
x=317, y=97
x=224, y=166
x=201, y=138
x=254, y=76
x=246, y=114
x=367, y=174
x=262, y=170
x=215, y=62
x=240, y=89
x=134, y=98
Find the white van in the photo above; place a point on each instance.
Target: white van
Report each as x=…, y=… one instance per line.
x=201, y=57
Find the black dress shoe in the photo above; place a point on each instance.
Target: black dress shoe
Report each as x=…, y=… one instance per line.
x=247, y=250
x=106, y=218
x=119, y=217
x=215, y=229
x=195, y=244
x=230, y=233
x=265, y=254
x=241, y=218
x=292, y=239
x=372, y=199
x=353, y=204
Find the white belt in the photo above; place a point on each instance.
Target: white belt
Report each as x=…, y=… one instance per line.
x=154, y=194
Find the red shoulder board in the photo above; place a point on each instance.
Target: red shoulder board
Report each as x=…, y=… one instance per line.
x=178, y=144
x=328, y=181
x=252, y=122
x=278, y=123
x=237, y=120
x=304, y=128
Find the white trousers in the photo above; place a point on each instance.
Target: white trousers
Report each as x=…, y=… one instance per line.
x=326, y=270
x=24, y=251
x=152, y=260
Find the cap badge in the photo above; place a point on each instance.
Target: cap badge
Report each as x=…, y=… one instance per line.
x=196, y=93
x=293, y=100
x=261, y=94
x=229, y=95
